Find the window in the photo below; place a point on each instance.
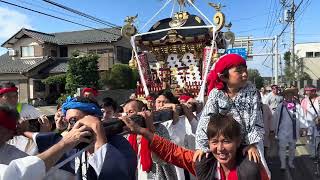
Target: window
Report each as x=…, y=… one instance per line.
x=53, y=53
x=27, y=51
x=99, y=51
x=63, y=51
x=316, y=54
x=123, y=54
x=309, y=54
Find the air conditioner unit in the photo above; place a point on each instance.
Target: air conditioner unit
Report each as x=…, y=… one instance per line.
x=12, y=52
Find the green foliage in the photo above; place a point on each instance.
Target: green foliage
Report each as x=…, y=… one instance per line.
x=82, y=72
x=62, y=99
x=55, y=79
x=289, y=72
x=122, y=77
x=255, y=78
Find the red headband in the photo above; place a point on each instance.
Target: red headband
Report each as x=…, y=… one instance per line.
x=310, y=89
x=225, y=62
x=7, y=122
x=93, y=91
x=7, y=90
x=150, y=98
x=184, y=97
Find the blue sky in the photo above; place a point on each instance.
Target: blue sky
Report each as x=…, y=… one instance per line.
x=259, y=18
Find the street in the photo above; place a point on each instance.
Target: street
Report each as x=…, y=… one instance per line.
x=304, y=166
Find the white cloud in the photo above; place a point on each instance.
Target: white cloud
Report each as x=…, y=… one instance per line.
x=11, y=21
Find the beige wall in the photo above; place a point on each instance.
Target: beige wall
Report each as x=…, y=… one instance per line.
x=105, y=60
x=312, y=67
x=28, y=42
x=301, y=49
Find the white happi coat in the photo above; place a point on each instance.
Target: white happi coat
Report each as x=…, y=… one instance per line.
x=283, y=128
x=310, y=114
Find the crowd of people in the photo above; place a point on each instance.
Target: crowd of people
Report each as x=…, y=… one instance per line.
x=228, y=137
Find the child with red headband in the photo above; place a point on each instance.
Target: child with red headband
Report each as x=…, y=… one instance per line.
x=230, y=93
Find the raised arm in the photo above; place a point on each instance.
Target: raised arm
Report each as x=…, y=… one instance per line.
x=163, y=148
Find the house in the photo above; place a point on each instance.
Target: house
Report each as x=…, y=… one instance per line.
x=310, y=54
x=33, y=56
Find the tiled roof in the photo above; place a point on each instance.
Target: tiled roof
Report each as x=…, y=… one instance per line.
x=60, y=65
x=8, y=65
x=107, y=35
x=88, y=36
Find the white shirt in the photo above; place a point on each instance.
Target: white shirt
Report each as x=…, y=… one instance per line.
x=284, y=128
x=95, y=160
x=21, y=142
x=27, y=168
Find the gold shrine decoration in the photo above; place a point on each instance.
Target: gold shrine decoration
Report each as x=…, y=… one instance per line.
x=179, y=19
x=129, y=29
x=162, y=52
x=219, y=18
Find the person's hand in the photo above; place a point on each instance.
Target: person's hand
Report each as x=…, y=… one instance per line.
x=78, y=134
x=134, y=128
x=176, y=111
x=253, y=153
x=148, y=116
x=91, y=121
x=197, y=155
x=22, y=126
x=131, y=126
x=199, y=106
x=98, y=131
x=45, y=125
x=187, y=110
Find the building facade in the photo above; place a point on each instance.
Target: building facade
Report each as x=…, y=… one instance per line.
x=310, y=55
x=33, y=56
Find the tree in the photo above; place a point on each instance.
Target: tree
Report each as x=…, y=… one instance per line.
x=82, y=72
x=255, y=78
x=289, y=72
x=59, y=79
x=122, y=77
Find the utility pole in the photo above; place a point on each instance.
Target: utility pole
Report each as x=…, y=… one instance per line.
x=276, y=61
x=292, y=35
x=272, y=62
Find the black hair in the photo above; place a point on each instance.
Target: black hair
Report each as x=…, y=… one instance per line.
x=223, y=125
x=109, y=102
x=141, y=105
x=168, y=94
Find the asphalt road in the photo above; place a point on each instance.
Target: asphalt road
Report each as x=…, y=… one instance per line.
x=304, y=165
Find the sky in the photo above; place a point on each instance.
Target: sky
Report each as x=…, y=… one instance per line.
x=255, y=18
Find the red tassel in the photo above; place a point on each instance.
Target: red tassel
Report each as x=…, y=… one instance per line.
x=145, y=153
x=133, y=141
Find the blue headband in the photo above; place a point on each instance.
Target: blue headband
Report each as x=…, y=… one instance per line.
x=73, y=103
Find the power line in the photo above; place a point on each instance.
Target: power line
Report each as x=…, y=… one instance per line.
x=295, y=10
x=56, y=17
x=82, y=14
x=55, y=11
